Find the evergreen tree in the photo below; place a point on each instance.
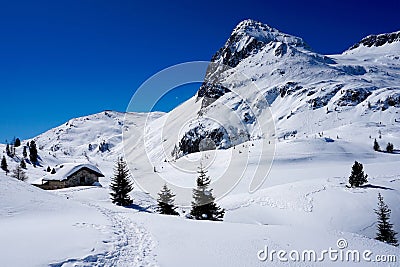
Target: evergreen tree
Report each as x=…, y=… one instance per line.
x=8, y=152
x=103, y=146
x=33, y=154
x=376, y=145
x=17, y=142
x=357, y=176
x=48, y=169
x=4, y=165
x=389, y=148
x=121, y=184
x=203, y=205
x=19, y=174
x=53, y=171
x=22, y=164
x=166, y=201
x=24, y=153
x=385, y=228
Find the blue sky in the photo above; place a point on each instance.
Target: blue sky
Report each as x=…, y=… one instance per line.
x=63, y=59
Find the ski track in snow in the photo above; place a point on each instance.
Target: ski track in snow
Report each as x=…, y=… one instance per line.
x=131, y=246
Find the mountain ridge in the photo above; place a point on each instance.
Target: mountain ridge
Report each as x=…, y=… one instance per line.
x=377, y=40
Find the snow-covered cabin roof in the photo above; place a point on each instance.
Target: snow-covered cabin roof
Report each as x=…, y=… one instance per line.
x=64, y=171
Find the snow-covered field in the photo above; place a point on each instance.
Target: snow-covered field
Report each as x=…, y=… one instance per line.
x=303, y=204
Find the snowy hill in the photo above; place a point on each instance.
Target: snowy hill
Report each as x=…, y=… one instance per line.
x=95, y=139
x=277, y=107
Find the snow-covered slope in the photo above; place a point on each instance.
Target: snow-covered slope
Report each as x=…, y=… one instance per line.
x=39, y=227
x=314, y=115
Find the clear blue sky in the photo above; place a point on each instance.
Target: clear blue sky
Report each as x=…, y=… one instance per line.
x=62, y=59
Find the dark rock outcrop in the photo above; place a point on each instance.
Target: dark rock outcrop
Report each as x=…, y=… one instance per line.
x=378, y=40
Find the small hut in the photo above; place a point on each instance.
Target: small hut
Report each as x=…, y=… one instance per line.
x=69, y=175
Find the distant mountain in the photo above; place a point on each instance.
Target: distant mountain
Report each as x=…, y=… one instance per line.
x=261, y=73
x=378, y=40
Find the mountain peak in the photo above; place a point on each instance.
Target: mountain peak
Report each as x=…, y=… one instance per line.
x=378, y=40
x=249, y=37
x=264, y=33
x=251, y=26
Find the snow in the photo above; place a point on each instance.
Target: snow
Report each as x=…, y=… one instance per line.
x=39, y=227
x=304, y=204
x=300, y=170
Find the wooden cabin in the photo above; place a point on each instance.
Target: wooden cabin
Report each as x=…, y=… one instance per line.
x=69, y=175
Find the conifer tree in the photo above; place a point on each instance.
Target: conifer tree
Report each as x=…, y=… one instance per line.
x=203, y=205
x=8, y=152
x=357, y=176
x=166, y=201
x=33, y=154
x=53, y=171
x=121, y=184
x=24, y=153
x=376, y=145
x=48, y=169
x=389, y=147
x=22, y=164
x=19, y=174
x=385, y=228
x=4, y=165
x=17, y=142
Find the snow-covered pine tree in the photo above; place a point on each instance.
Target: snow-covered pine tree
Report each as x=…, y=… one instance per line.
x=19, y=174
x=4, y=165
x=166, y=201
x=385, y=228
x=357, y=176
x=376, y=145
x=203, y=204
x=121, y=184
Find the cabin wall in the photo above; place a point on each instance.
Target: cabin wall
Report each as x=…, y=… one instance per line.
x=51, y=185
x=82, y=177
